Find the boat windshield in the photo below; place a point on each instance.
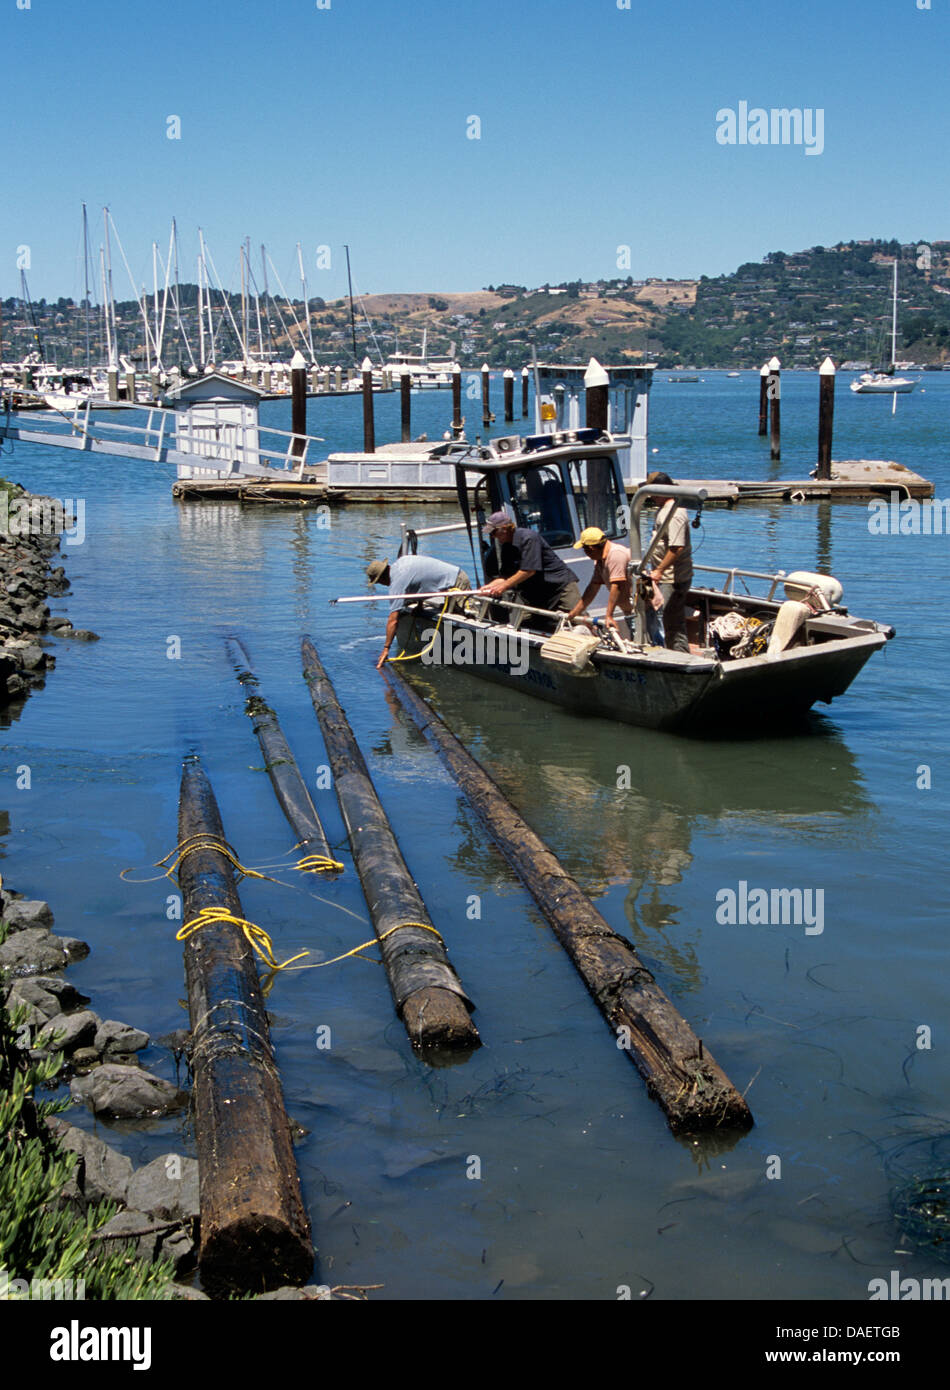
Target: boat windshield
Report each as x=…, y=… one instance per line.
x=540, y=502
x=596, y=495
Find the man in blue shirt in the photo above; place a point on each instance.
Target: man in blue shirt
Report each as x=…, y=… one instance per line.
x=412, y=574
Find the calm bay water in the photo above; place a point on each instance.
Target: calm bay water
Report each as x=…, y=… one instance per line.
x=582, y=1189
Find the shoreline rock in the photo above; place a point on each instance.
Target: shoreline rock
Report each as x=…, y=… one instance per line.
x=27, y=579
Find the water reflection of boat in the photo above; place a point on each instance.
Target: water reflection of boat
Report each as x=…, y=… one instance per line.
x=559, y=483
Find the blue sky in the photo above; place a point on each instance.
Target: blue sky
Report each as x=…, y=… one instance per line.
x=349, y=124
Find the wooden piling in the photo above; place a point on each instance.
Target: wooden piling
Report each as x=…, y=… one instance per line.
x=486, y=390
x=298, y=402
x=291, y=790
x=680, y=1073
x=525, y=376
x=112, y=376
x=254, y=1230
x=826, y=416
x=427, y=992
x=405, y=404
x=369, y=429
x=764, y=399
x=596, y=396
x=130, y=387
x=775, y=401
x=509, y=389
x=456, y=400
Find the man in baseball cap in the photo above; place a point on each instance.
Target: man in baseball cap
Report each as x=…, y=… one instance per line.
x=412, y=574
x=611, y=568
x=528, y=566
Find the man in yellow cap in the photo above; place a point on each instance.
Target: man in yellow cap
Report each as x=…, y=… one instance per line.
x=611, y=562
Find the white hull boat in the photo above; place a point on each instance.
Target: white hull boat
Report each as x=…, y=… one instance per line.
x=799, y=644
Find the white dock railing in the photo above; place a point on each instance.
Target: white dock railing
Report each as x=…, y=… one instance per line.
x=201, y=441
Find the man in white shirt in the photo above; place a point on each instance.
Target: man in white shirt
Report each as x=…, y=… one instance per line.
x=673, y=564
x=412, y=574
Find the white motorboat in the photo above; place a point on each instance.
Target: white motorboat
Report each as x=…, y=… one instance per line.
x=798, y=644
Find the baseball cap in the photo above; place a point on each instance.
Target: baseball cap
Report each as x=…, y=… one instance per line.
x=497, y=520
x=593, y=535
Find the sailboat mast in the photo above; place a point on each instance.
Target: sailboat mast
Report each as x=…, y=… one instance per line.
x=257, y=304
x=894, y=323
x=243, y=307
x=110, y=298
x=105, y=305
x=85, y=274
x=270, y=336
x=202, y=357
x=306, y=302
x=349, y=281
x=158, y=345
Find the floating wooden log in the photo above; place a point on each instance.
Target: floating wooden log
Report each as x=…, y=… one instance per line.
x=694, y=1092
x=427, y=992
x=254, y=1229
x=289, y=786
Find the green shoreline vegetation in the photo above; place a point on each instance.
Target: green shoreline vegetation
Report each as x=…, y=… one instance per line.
x=45, y=1240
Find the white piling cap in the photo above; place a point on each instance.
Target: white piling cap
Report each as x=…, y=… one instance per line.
x=525, y=372
x=366, y=365
x=509, y=372
x=764, y=369
x=827, y=368
x=774, y=364
x=456, y=370
x=485, y=367
x=595, y=375
x=297, y=361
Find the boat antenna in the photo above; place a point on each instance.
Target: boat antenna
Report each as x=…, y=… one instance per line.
x=349, y=281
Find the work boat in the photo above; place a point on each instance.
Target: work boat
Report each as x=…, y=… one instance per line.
x=756, y=659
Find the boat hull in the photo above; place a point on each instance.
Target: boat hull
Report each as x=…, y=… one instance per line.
x=658, y=689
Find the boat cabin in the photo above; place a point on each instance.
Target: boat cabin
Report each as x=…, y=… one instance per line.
x=557, y=484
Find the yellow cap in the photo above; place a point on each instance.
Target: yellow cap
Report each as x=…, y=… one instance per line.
x=592, y=536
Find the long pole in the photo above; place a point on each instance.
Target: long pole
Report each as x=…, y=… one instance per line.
x=693, y=1090
x=306, y=302
x=427, y=992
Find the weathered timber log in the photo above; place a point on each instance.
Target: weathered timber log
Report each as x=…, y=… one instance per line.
x=427, y=992
x=291, y=791
x=692, y=1089
x=254, y=1229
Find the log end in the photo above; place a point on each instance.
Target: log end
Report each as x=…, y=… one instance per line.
x=254, y=1254
x=439, y=1025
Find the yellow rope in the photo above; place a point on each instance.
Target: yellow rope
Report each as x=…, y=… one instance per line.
x=309, y=864
x=262, y=944
x=256, y=936
x=316, y=864
x=424, y=926
x=417, y=656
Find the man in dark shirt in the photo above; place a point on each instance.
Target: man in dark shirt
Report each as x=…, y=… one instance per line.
x=529, y=566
